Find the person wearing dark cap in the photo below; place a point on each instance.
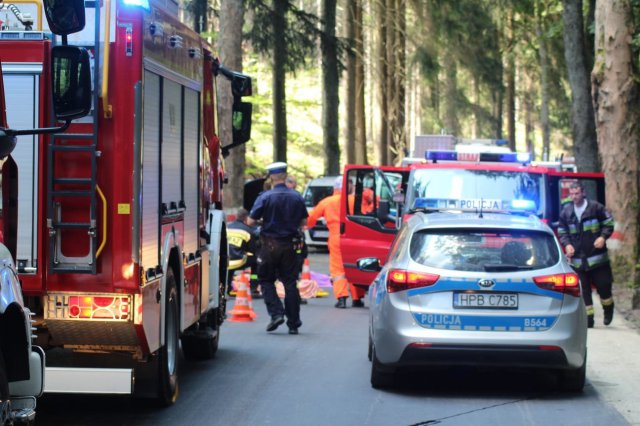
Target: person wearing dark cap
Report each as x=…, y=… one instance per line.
x=283, y=212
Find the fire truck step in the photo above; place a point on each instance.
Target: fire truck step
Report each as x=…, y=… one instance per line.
x=72, y=181
x=70, y=193
x=70, y=225
x=77, y=268
x=76, y=148
x=65, y=136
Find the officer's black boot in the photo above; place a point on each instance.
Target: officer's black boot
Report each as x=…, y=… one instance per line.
x=590, y=322
x=608, y=312
x=341, y=303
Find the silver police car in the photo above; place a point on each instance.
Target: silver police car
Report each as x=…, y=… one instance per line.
x=476, y=289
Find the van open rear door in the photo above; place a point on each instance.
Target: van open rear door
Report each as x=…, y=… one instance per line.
x=370, y=217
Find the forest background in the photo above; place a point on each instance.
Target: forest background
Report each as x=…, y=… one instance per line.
x=353, y=81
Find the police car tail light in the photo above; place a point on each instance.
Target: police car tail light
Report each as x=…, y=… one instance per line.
x=563, y=283
x=401, y=279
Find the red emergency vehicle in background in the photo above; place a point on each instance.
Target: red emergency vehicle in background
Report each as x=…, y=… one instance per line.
x=120, y=235
x=490, y=179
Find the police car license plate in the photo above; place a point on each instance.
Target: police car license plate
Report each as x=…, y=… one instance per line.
x=321, y=234
x=493, y=300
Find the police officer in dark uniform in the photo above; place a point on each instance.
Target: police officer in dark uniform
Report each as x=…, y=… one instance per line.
x=283, y=212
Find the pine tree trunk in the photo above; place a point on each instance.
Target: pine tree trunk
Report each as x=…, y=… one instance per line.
x=360, y=117
x=585, y=145
x=400, y=81
x=511, y=87
x=330, y=93
x=390, y=87
x=350, y=102
x=544, y=82
x=450, y=119
x=382, y=81
x=616, y=98
x=279, y=78
x=230, y=50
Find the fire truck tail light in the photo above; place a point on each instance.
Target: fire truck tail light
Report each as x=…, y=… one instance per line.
x=99, y=307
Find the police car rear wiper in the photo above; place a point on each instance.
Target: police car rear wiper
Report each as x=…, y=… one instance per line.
x=505, y=267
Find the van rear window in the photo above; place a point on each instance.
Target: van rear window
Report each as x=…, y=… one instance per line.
x=313, y=194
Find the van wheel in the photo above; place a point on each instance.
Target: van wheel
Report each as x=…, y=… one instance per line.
x=168, y=357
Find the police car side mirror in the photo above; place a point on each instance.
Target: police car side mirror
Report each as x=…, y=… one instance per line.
x=368, y=264
x=71, y=75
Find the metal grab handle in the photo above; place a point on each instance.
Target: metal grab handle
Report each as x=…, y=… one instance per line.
x=104, y=221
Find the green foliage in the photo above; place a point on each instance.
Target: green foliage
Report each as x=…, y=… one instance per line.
x=304, y=111
x=301, y=32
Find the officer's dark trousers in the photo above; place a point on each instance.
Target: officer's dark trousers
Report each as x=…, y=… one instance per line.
x=277, y=260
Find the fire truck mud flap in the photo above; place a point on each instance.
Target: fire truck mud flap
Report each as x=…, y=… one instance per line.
x=89, y=380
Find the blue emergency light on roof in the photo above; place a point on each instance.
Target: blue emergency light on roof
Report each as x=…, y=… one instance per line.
x=523, y=205
x=494, y=157
x=141, y=3
x=441, y=155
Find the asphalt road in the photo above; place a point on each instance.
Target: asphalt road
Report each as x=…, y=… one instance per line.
x=321, y=377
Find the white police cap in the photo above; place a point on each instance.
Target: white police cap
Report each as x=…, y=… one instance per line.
x=275, y=168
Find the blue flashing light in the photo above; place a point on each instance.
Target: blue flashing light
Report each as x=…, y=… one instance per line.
x=425, y=203
x=502, y=142
x=441, y=155
x=523, y=205
x=141, y=3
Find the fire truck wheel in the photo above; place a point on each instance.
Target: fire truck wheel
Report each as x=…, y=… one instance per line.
x=168, y=357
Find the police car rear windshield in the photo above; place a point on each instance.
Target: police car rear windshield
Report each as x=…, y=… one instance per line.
x=476, y=187
x=484, y=250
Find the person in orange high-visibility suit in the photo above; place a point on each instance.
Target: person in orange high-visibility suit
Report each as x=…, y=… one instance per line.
x=329, y=208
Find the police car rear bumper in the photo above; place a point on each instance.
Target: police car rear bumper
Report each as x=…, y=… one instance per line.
x=502, y=356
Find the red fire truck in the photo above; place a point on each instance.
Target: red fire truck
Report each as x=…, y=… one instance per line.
x=383, y=195
x=120, y=238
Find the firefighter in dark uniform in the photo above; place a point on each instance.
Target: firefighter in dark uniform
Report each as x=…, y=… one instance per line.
x=283, y=212
x=243, y=249
x=583, y=229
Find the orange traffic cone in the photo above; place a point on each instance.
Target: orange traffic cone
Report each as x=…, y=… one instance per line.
x=242, y=310
x=308, y=288
x=244, y=277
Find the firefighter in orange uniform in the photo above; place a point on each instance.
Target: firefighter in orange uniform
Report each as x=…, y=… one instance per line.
x=329, y=208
